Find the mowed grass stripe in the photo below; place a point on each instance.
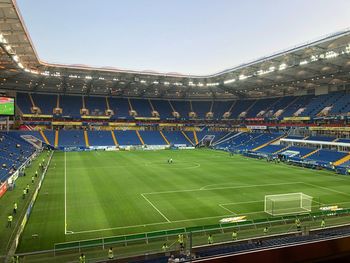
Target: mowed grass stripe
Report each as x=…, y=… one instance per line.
x=104, y=192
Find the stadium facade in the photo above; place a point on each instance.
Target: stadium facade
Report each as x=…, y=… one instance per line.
x=292, y=107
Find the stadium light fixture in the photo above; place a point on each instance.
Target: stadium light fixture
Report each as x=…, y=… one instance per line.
x=143, y=81
x=283, y=66
x=45, y=73
x=88, y=77
x=8, y=48
x=242, y=77
x=155, y=82
x=304, y=62
x=213, y=84
x=331, y=54
x=166, y=83
x=314, y=58
x=229, y=81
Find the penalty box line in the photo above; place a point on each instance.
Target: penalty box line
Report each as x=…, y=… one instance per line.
x=155, y=208
x=218, y=188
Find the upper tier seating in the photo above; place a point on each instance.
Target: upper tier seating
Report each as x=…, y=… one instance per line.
x=24, y=102
x=142, y=107
x=339, y=103
x=96, y=105
x=71, y=105
x=182, y=107
x=120, y=107
x=163, y=108
x=45, y=102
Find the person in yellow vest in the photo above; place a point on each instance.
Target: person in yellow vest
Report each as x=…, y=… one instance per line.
x=36, y=173
x=210, y=239
x=9, y=221
x=27, y=188
x=33, y=179
x=266, y=230
x=180, y=239
x=323, y=223
x=14, y=208
x=234, y=235
x=110, y=253
x=24, y=193
x=165, y=247
x=298, y=224
x=15, y=259
x=82, y=258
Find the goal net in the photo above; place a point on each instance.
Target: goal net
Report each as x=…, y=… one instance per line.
x=285, y=204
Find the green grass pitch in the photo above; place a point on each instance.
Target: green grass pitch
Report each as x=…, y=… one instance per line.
x=98, y=194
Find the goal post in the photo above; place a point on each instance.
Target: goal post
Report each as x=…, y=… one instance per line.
x=286, y=204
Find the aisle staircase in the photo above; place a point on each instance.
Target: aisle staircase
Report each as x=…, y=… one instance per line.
x=86, y=137
x=165, y=139
x=140, y=138
x=114, y=138
x=44, y=137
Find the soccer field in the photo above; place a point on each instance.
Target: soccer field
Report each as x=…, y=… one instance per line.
x=99, y=194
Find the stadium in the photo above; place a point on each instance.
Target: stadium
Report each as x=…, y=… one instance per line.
x=110, y=165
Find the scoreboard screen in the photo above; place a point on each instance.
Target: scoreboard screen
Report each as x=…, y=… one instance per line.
x=7, y=106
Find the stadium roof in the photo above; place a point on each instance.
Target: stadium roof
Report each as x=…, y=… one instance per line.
x=322, y=62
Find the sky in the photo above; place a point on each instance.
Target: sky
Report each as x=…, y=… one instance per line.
x=198, y=37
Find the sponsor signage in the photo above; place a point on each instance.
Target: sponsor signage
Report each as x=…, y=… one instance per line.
x=3, y=189
x=37, y=116
x=296, y=118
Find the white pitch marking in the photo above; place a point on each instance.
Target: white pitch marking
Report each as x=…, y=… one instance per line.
x=156, y=208
x=329, y=189
x=247, y=202
x=223, y=207
x=244, y=186
x=65, y=193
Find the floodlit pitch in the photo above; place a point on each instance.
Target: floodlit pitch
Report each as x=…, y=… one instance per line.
x=98, y=194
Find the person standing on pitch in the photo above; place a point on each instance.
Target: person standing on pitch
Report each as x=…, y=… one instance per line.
x=24, y=193
x=323, y=223
x=14, y=208
x=110, y=253
x=9, y=221
x=33, y=179
x=82, y=258
x=210, y=239
x=266, y=230
x=234, y=235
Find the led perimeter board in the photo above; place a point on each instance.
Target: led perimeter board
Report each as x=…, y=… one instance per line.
x=7, y=106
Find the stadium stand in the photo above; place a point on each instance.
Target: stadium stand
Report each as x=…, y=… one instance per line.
x=14, y=151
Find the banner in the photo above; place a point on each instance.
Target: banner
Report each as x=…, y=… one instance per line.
x=3, y=189
x=37, y=116
x=256, y=127
x=296, y=118
x=96, y=117
x=69, y=123
x=329, y=128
